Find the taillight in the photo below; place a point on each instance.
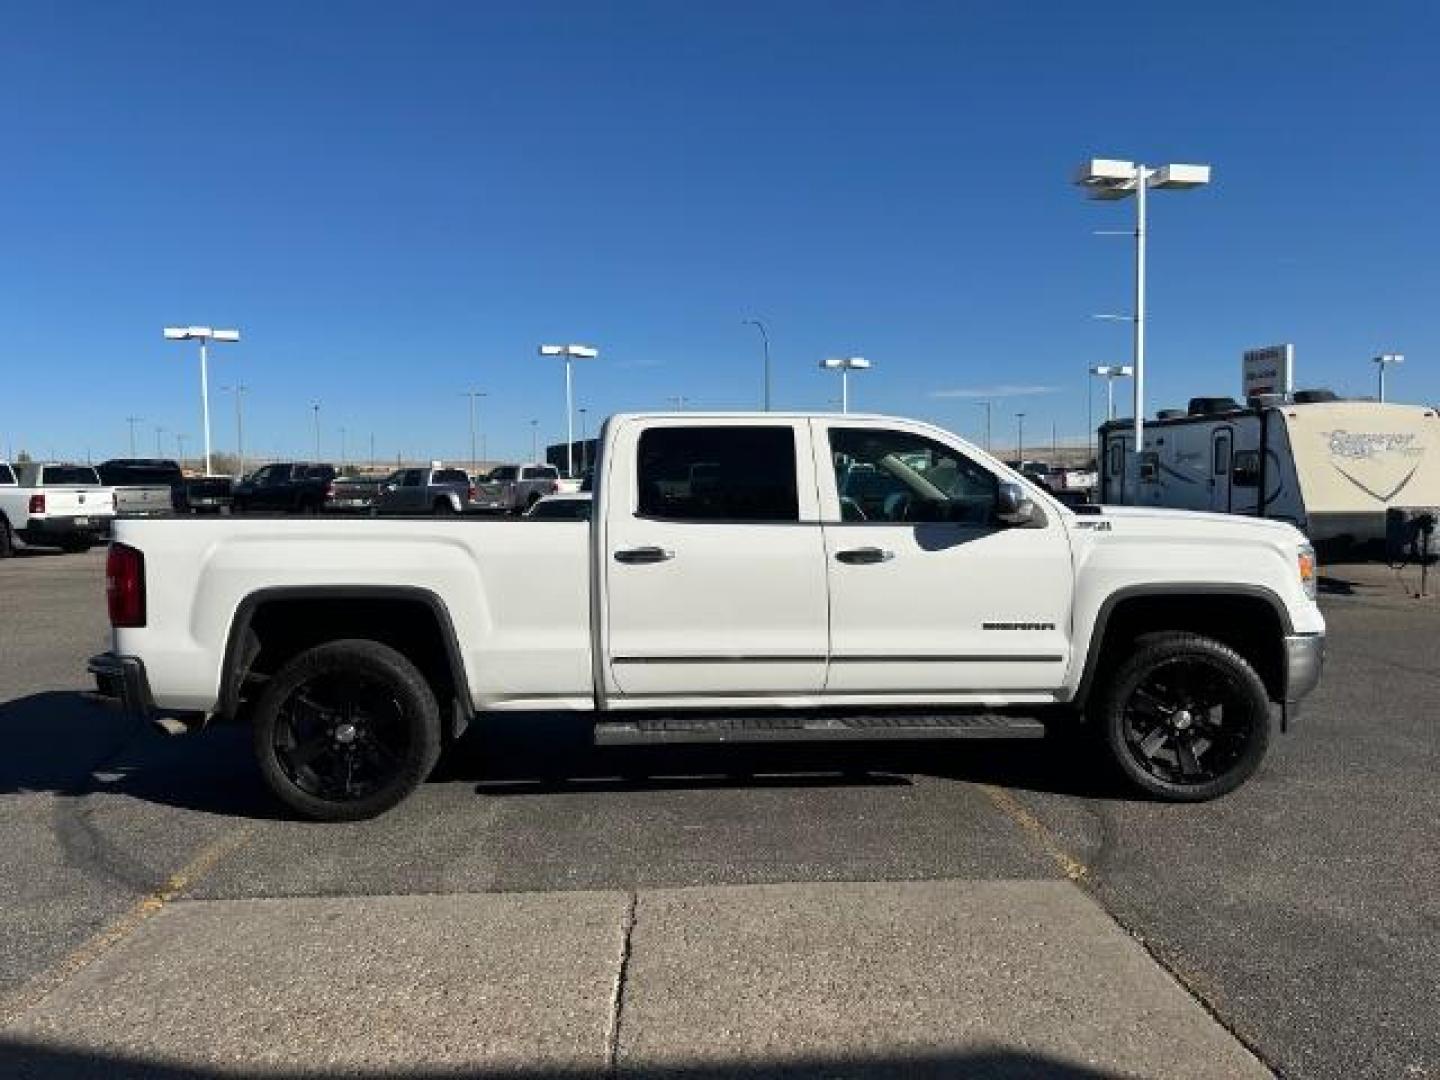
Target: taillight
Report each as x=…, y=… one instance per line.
x=472, y=492
x=37, y=504
x=125, y=586
x=329, y=491
x=554, y=487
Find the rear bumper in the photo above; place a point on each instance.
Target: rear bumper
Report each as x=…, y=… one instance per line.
x=37, y=530
x=121, y=680
x=1304, y=660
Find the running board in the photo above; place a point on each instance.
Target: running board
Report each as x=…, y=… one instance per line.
x=649, y=731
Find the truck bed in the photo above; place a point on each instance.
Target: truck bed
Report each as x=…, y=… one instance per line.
x=517, y=594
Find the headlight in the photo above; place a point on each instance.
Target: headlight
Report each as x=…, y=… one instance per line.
x=1309, y=571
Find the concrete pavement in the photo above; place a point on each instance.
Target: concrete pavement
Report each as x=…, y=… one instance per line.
x=1013, y=978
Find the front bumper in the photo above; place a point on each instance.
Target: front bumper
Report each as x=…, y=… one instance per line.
x=121, y=680
x=1304, y=660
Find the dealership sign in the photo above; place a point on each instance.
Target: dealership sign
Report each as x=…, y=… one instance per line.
x=1268, y=370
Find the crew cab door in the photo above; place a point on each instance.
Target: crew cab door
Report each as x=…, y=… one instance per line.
x=929, y=591
x=713, y=560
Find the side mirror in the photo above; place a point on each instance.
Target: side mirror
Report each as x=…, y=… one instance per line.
x=1012, y=505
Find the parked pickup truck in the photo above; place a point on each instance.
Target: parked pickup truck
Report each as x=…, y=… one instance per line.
x=49, y=505
x=726, y=591
x=433, y=490
x=284, y=487
x=513, y=489
x=143, y=487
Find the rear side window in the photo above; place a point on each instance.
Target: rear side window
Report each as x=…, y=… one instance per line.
x=451, y=476
x=68, y=476
x=718, y=474
x=7, y=475
x=542, y=472
x=504, y=472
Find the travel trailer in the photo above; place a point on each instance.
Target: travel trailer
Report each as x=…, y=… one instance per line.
x=1331, y=467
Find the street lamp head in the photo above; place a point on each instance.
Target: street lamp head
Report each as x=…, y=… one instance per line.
x=1389, y=358
x=1113, y=371
x=176, y=333
x=552, y=350
x=838, y=363
x=1106, y=178
x=1181, y=176
x=199, y=333
x=581, y=352
x=226, y=335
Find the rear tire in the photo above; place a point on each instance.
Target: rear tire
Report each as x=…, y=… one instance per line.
x=1184, y=718
x=444, y=508
x=346, y=731
x=7, y=540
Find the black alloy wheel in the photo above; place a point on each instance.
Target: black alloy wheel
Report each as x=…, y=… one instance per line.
x=347, y=730
x=1186, y=718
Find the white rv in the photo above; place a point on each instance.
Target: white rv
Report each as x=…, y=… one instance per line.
x=1331, y=467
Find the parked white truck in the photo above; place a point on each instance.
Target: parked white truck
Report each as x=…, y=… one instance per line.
x=727, y=589
x=53, y=505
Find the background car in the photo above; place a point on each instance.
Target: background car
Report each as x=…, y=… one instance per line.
x=433, y=490
x=290, y=487
x=144, y=487
x=513, y=489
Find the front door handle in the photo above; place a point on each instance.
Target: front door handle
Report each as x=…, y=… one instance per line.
x=643, y=555
x=865, y=555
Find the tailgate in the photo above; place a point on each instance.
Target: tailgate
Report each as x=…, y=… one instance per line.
x=78, y=501
x=143, y=500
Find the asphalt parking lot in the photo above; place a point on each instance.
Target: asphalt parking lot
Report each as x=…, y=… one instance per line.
x=1299, y=912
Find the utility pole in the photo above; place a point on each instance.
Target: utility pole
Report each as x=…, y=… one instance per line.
x=239, y=390
x=132, y=421
x=986, y=406
x=342, y=447
x=372, y=451
x=583, y=455
x=472, y=395
x=316, y=408
x=158, y=432
x=679, y=401
x=534, y=440
x=1019, y=436
x=180, y=442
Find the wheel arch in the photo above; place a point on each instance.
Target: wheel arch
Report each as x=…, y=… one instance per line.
x=413, y=620
x=1251, y=619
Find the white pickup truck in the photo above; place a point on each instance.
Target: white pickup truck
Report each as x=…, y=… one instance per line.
x=50, y=505
x=744, y=577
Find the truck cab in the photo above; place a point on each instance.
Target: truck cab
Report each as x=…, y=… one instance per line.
x=744, y=577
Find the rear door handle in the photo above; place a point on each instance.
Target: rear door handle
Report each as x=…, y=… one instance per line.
x=865, y=555
x=643, y=555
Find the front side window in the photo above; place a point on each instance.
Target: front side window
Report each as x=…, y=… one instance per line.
x=413, y=478
x=894, y=476
x=542, y=472
x=7, y=475
x=718, y=474
x=1222, y=455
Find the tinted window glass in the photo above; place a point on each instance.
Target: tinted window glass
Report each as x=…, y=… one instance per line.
x=451, y=476
x=69, y=476
x=120, y=473
x=1222, y=455
x=504, y=472
x=413, y=478
x=562, y=509
x=7, y=476
x=894, y=476
x=542, y=472
x=718, y=474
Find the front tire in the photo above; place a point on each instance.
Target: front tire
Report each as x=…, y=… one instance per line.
x=346, y=731
x=1185, y=718
x=7, y=540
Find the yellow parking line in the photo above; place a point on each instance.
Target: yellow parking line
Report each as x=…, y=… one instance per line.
x=125, y=924
x=1072, y=867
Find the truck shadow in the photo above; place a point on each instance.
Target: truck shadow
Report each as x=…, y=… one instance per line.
x=535, y=754
x=64, y=743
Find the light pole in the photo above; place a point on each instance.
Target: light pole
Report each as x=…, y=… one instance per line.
x=204, y=335
x=315, y=408
x=472, y=395
x=986, y=406
x=1382, y=362
x=679, y=401
x=1109, y=180
x=1111, y=372
x=342, y=447
x=1020, y=436
x=534, y=440
x=570, y=353
x=158, y=432
x=765, y=339
x=584, y=463
x=845, y=365
x=239, y=389
x=132, y=421
x=180, y=442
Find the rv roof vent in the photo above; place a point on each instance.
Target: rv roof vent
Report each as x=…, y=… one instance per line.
x=1311, y=397
x=1213, y=406
x=1170, y=414
x=1265, y=401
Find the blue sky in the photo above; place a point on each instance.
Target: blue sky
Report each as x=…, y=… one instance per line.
x=398, y=202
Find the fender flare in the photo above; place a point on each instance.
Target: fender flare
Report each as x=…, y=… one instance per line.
x=1095, y=645
x=240, y=644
